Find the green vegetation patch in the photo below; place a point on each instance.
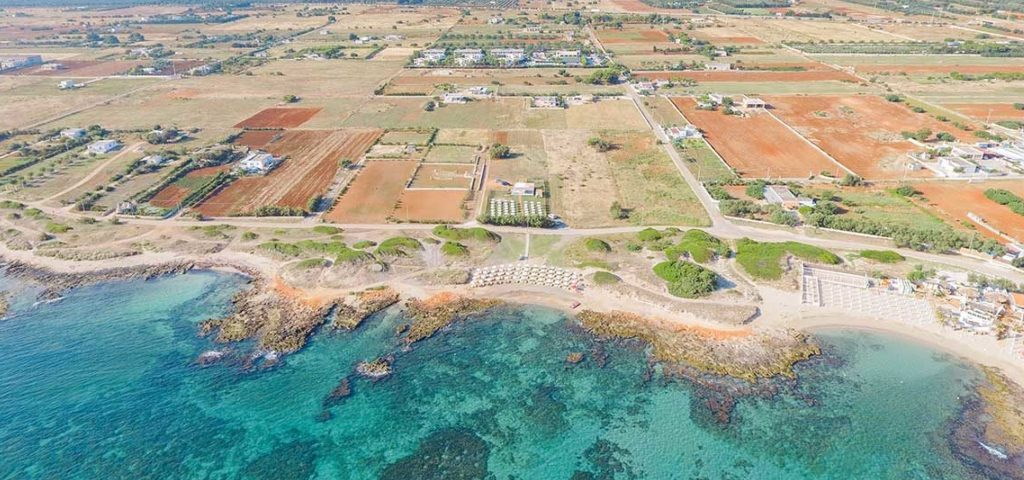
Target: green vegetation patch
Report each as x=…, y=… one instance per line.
x=398, y=246
x=699, y=245
x=54, y=227
x=311, y=263
x=326, y=230
x=596, y=245
x=606, y=278
x=456, y=234
x=1007, y=198
x=454, y=249
x=882, y=256
x=686, y=279
x=762, y=260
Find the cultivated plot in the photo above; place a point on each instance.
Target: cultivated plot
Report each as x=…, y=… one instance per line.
x=861, y=132
x=757, y=145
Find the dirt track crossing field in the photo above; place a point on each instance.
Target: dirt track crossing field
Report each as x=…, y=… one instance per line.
x=277, y=117
x=312, y=161
x=758, y=145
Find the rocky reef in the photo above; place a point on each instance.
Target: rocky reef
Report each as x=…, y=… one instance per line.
x=988, y=435
x=430, y=315
x=353, y=309
x=745, y=354
x=56, y=283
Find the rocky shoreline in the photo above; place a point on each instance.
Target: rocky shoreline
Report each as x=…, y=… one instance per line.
x=743, y=354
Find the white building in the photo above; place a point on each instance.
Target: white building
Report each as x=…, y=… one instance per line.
x=154, y=160
x=780, y=195
x=258, y=163
x=73, y=133
x=683, y=133
x=104, y=146
x=957, y=167
x=455, y=98
x=967, y=152
x=524, y=189
x=546, y=102
x=753, y=102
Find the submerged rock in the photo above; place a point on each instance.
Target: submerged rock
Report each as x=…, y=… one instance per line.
x=378, y=369
x=451, y=454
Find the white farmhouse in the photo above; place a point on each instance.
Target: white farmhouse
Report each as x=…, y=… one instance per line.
x=258, y=163
x=104, y=146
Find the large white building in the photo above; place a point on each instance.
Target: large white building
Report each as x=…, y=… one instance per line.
x=258, y=163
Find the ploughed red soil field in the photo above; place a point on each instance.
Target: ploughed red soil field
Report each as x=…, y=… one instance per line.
x=860, y=131
x=431, y=206
x=373, y=194
x=278, y=117
x=757, y=145
x=954, y=200
x=312, y=159
x=749, y=76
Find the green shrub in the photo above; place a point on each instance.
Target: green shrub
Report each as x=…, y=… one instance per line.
x=454, y=249
x=606, y=278
x=686, y=279
x=699, y=245
x=596, y=245
x=310, y=263
x=882, y=256
x=762, y=260
x=398, y=246
x=326, y=230
x=648, y=234
x=53, y=227
x=456, y=234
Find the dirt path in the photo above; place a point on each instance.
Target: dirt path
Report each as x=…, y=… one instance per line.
x=96, y=171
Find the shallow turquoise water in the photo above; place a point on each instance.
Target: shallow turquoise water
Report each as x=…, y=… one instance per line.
x=103, y=385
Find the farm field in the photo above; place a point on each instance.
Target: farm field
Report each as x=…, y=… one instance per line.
x=447, y=176
x=452, y=154
x=432, y=206
x=279, y=118
x=373, y=194
x=861, y=132
x=312, y=159
x=766, y=148
x=986, y=112
x=172, y=195
x=954, y=200
x=752, y=76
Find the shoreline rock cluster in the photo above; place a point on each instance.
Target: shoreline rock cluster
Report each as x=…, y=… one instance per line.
x=56, y=283
x=748, y=355
x=430, y=315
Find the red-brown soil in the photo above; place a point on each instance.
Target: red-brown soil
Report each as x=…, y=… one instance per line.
x=862, y=132
x=953, y=200
x=312, y=159
x=279, y=117
x=372, y=195
x=757, y=145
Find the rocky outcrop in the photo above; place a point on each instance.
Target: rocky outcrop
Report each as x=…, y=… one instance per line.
x=746, y=354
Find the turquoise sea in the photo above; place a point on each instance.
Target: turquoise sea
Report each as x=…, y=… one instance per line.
x=104, y=385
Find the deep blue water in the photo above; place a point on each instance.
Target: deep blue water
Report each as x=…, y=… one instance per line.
x=104, y=384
